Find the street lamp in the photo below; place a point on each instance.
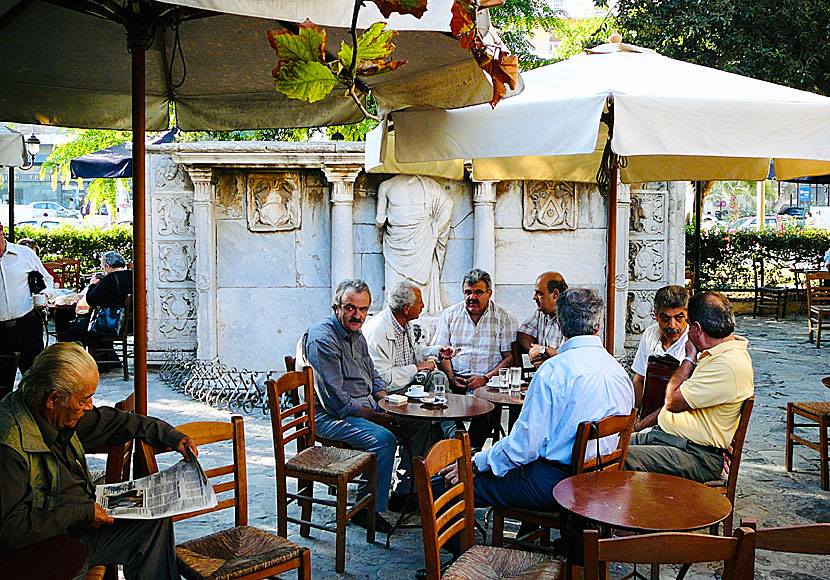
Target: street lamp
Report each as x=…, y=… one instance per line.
x=32, y=149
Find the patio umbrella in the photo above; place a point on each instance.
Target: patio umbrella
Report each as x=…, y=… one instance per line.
x=115, y=161
x=651, y=117
x=212, y=59
x=12, y=154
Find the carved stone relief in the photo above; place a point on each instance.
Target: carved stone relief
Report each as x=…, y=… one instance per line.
x=169, y=175
x=177, y=311
x=175, y=216
x=647, y=213
x=176, y=261
x=230, y=191
x=646, y=261
x=274, y=201
x=549, y=205
x=640, y=306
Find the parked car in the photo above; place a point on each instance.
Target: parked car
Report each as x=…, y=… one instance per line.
x=796, y=212
x=38, y=209
x=774, y=222
x=50, y=222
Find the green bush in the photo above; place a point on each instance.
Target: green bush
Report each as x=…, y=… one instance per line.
x=726, y=258
x=84, y=244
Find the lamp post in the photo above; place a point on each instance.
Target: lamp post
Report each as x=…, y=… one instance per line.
x=32, y=149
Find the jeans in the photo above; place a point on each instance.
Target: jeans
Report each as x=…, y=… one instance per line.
x=362, y=434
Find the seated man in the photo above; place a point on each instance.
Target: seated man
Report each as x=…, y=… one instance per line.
x=703, y=398
x=582, y=383
x=666, y=336
x=401, y=361
x=46, y=427
x=347, y=387
x=540, y=335
x=481, y=332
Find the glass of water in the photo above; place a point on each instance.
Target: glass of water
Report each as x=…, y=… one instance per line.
x=439, y=388
x=515, y=379
x=504, y=380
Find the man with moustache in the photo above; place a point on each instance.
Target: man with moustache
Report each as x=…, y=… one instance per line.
x=481, y=332
x=540, y=335
x=347, y=388
x=666, y=336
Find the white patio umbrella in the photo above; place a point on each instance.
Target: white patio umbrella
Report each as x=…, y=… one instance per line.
x=668, y=120
x=66, y=63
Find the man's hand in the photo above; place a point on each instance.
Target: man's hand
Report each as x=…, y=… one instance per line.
x=187, y=447
x=383, y=419
x=691, y=350
x=446, y=351
x=450, y=473
x=537, y=354
x=460, y=383
x=378, y=395
x=475, y=382
x=427, y=365
x=101, y=518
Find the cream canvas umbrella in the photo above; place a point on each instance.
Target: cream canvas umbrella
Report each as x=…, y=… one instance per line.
x=654, y=118
x=66, y=63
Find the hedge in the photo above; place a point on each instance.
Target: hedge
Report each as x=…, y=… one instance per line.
x=726, y=258
x=86, y=244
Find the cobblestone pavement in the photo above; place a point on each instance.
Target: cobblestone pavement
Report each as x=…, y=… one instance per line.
x=787, y=368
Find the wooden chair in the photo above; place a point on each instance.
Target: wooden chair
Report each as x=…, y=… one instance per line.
x=737, y=551
x=108, y=343
x=818, y=304
x=818, y=413
x=241, y=552
x=586, y=432
x=455, y=507
x=332, y=466
x=8, y=372
x=70, y=273
x=57, y=269
x=728, y=485
x=66, y=557
x=658, y=374
x=767, y=297
x=803, y=539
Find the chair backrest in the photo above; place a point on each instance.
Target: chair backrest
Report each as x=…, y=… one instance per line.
x=736, y=449
x=455, y=505
x=737, y=551
x=205, y=433
x=591, y=431
x=119, y=457
x=817, y=294
x=8, y=372
x=803, y=539
x=296, y=422
x=758, y=271
x=57, y=269
x=70, y=272
x=658, y=374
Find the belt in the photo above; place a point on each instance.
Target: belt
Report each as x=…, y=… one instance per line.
x=708, y=448
x=14, y=321
x=553, y=463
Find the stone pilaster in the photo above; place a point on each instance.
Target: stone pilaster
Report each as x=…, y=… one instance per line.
x=342, y=225
x=621, y=280
x=484, y=223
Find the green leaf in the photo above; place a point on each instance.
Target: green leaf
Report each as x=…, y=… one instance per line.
x=306, y=81
x=309, y=44
x=414, y=7
x=375, y=43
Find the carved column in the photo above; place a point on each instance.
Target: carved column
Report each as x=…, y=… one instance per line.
x=206, y=320
x=484, y=221
x=342, y=225
x=621, y=280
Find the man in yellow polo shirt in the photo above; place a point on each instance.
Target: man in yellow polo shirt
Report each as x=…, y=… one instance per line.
x=703, y=398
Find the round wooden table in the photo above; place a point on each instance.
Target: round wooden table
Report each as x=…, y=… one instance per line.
x=497, y=398
x=642, y=502
x=457, y=407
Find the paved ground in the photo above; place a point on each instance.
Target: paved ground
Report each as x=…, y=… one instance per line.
x=787, y=368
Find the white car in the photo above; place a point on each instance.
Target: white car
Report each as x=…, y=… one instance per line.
x=40, y=209
x=51, y=222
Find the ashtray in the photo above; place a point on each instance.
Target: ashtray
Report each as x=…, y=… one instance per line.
x=433, y=404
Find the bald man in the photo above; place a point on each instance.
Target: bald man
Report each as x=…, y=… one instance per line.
x=540, y=335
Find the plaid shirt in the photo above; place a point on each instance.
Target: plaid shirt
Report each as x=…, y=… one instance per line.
x=478, y=346
x=544, y=329
x=404, y=355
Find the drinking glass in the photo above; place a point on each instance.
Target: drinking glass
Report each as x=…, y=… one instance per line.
x=504, y=380
x=515, y=379
x=439, y=388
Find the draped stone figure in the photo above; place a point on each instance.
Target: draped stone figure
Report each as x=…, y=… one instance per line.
x=415, y=215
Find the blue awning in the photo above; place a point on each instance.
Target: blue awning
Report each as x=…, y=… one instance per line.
x=115, y=161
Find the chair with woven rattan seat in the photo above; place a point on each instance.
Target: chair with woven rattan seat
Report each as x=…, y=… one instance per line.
x=736, y=551
x=729, y=484
x=803, y=539
x=333, y=466
x=767, y=297
x=818, y=413
x=818, y=304
x=586, y=432
x=242, y=552
x=452, y=513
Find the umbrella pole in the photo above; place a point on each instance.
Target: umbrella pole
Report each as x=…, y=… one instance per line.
x=10, y=233
x=139, y=245
x=611, y=282
x=698, y=209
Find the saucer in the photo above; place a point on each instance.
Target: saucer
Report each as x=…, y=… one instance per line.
x=413, y=396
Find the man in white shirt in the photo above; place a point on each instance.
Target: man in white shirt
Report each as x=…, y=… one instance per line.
x=540, y=335
x=582, y=383
x=481, y=332
x=21, y=329
x=666, y=336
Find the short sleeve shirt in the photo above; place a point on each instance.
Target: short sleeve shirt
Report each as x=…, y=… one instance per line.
x=478, y=345
x=650, y=345
x=720, y=383
x=544, y=328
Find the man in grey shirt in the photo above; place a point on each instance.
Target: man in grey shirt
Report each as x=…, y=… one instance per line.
x=347, y=387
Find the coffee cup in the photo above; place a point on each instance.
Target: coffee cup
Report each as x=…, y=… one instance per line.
x=415, y=391
x=39, y=299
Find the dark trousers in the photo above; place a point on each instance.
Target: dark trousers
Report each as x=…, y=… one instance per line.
x=146, y=548
x=24, y=336
x=78, y=332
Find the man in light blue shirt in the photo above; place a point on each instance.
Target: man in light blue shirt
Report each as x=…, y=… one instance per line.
x=582, y=383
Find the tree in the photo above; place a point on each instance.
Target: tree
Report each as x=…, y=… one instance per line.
x=781, y=41
x=516, y=21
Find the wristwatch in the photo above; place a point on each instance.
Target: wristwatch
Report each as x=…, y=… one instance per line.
x=691, y=360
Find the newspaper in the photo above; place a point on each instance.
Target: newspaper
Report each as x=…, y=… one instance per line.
x=181, y=489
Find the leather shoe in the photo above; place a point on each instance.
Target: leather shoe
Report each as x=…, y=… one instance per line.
x=398, y=503
x=381, y=525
